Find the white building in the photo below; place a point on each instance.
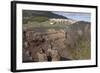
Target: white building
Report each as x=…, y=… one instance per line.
x=61, y=21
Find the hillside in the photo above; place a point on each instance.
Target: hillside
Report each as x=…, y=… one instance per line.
x=28, y=13
x=39, y=16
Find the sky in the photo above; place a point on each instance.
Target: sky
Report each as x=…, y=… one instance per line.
x=76, y=15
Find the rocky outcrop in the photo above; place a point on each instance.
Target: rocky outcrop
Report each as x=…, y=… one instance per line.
x=72, y=43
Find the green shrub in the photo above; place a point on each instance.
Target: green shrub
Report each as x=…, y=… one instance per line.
x=39, y=19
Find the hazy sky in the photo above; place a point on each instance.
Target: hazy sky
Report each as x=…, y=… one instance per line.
x=76, y=15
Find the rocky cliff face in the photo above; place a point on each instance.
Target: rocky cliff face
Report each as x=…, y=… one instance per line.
x=78, y=40
x=72, y=43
